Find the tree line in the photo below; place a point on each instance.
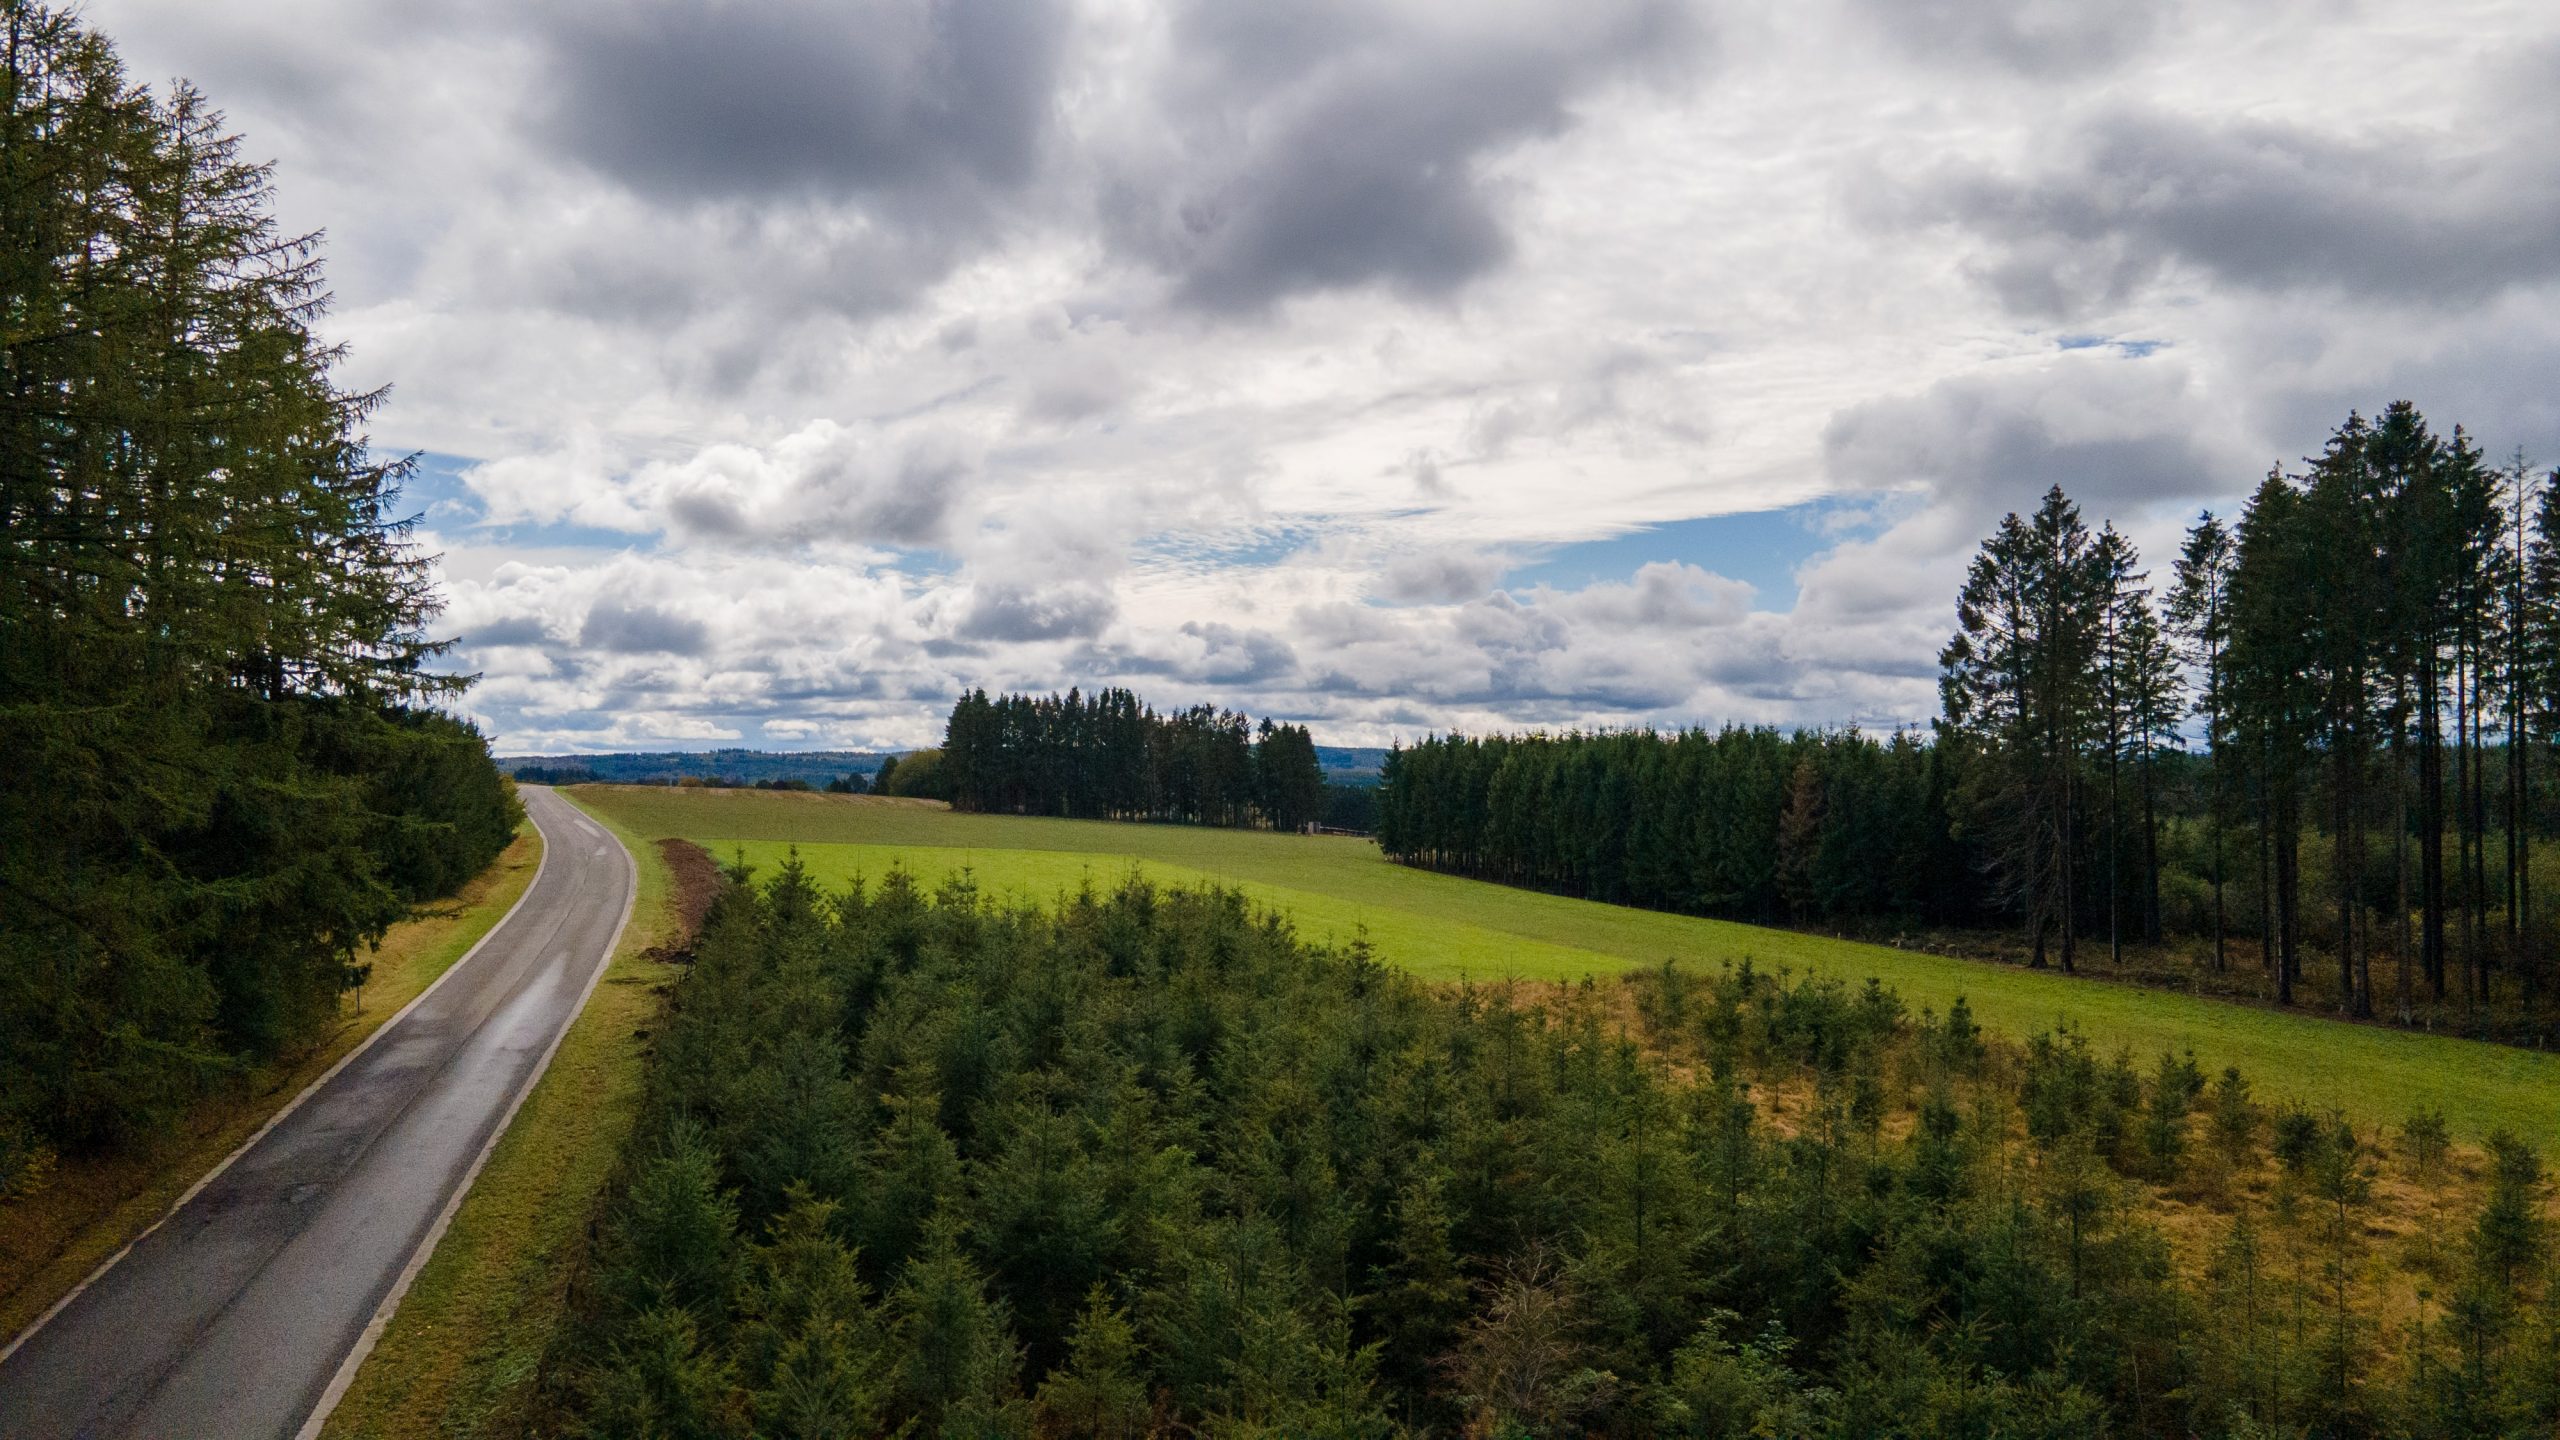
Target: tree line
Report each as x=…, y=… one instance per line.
x=226, y=776
x=2324, y=734
x=2371, y=653
x=1141, y=1163
x=1111, y=756
x=1745, y=822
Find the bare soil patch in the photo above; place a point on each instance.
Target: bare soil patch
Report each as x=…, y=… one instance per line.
x=694, y=882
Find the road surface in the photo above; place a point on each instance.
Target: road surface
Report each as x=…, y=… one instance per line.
x=234, y=1315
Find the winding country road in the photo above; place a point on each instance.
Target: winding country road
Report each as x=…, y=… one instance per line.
x=246, y=1309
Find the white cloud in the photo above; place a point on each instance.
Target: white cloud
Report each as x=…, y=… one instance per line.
x=1242, y=355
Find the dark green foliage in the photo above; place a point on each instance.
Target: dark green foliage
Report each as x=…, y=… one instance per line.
x=2372, y=646
x=2424, y=1139
x=917, y=775
x=1748, y=823
x=2508, y=1239
x=2175, y=1085
x=1143, y=1164
x=224, y=781
x=2235, y=1120
x=1112, y=756
x=1350, y=807
x=2300, y=1139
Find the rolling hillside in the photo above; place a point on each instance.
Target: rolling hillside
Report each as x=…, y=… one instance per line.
x=1446, y=928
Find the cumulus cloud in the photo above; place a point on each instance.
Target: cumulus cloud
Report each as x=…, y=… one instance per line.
x=791, y=367
x=821, y=484
x=2035, y=37
x=2132, y=196
x=691, y=101
x=2113, y=431
x=1011, y=613
x=1441, y=576
x=1333, y=146
x=642, y=630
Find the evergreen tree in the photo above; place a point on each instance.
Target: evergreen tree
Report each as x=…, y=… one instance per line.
x=2200, y=613
x=2017, y=679
x=226, y=778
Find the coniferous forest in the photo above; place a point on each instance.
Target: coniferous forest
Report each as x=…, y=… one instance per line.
x=1113, y=757
x=2322, y=748
x=225, y=777
x=1143, y=1164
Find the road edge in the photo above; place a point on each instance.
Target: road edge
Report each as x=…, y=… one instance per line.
x=344, y=1376
x=278, y=1118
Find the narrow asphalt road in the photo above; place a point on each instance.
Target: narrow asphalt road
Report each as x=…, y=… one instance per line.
x=231, y=1318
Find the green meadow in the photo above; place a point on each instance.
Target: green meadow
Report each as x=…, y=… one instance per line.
x=1447, y=929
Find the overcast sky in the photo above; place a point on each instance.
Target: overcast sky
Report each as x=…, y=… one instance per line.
x=783, y=368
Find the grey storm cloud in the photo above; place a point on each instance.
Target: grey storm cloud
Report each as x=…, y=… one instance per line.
x=642, y=630
x=512, y=630
x=2035, y=37
x=2132, y=193
x=1008, y=613
x=1234, y=656
x=1441, y=577
x=696, y=99
x=1329, y=147
x=2114, y=432
x=1200, y=653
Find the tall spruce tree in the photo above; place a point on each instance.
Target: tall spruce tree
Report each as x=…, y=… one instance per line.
x=2200, y=614
x=212, y=615
x=2274, y=704
x=2017, y=677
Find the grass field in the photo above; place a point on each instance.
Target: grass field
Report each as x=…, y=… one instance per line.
x=460, y=1353
x=1445, y=928
x=52, y=1239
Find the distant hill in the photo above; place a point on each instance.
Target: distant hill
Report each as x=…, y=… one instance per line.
x=1342, y=765
x=1351, y=764
x=743, y=767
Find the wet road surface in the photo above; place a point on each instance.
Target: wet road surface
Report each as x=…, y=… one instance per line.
x=232, y=1317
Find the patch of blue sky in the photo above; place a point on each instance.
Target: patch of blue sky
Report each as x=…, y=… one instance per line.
x=1201, y=552
x=920, y=563
x=2130, y=349
x=1762, y=548
x=436, y=492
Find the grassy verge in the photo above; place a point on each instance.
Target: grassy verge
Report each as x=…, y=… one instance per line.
x=458, y=1355
x=1445, y=927
x=51, y=1240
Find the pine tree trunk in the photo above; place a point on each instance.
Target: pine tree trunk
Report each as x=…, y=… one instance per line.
x=2471, y=995
x=2266, y=880
x=2221, y=930
x=2363, y=1009
x=2431, y=824
x=2528, y=963
x=2288, y=842
x=2115, y=850
x=2150, y=856
x=2480, y=938
x=2342, y=881
x=2070, y=876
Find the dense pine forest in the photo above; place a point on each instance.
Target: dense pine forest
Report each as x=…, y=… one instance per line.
x=2322, y=746
x=1144, y=1164
x=226, y=775
x=1112, y=756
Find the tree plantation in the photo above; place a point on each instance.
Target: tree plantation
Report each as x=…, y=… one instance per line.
x=1144, y=1164
x=2319, y=747
x=222, y=782
x=1113, y=756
